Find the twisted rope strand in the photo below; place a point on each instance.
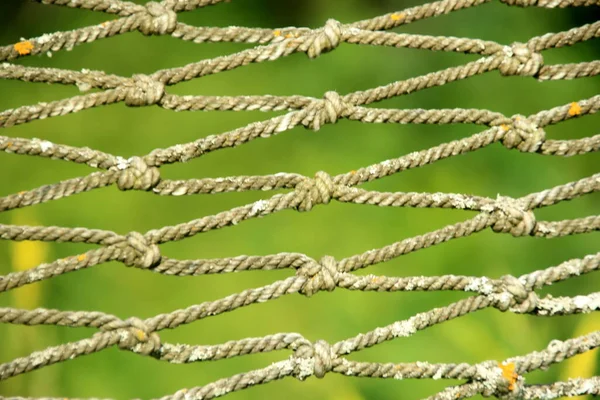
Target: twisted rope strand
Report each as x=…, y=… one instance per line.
x=502, y=214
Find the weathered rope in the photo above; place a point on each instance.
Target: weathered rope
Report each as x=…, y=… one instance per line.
x=514, y=216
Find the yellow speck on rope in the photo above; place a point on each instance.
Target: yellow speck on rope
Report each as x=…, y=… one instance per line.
x=288, y=35
x=508, y=373
x=24, y=48
x=277, y=32
x=504, y=127
x=140, y=334
x=397, y=17
x=81, y=257
x=575, y=109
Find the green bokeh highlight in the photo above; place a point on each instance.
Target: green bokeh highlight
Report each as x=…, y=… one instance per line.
x=337, y=229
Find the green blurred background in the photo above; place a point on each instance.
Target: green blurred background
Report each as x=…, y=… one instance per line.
x=336, y=229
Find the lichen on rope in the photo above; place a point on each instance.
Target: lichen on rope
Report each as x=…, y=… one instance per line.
x=503, y=215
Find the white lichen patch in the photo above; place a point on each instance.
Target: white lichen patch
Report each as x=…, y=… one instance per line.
x=438, y=375
x=199, y=354
x=46, y=145
x=489, y=376
x=416, y=283
x=461, y=202
x=347, y=364
x=481, y=285
x=221, y=391
x=35, y=275
x=258, y=207
x=543, y=228
x=573, y=267
x=387, y=164
x=404, y=328
x=122, y=163
x=437, y=197
x=304, y=366
x=587, y=303
x=346, y=348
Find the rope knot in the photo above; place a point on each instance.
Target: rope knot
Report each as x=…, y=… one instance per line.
x=138, y=338
x=521, y=60
x=320, y=354
x=138, y=175
x=325, y=111
x=158, y=19
x=143, y=91
x=511, y=293
x=524, y=135
x=513, y=218
x=315, y=191
x=141, y=253
x=321, y=276
x=326, y=39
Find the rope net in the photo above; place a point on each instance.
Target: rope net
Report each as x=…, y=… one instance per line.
x=515, y=216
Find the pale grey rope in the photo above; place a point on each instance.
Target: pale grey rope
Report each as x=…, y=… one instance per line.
x=525, y=134
x=508, y=215
x=160, y=18
x=508, y=293
x=140, y=90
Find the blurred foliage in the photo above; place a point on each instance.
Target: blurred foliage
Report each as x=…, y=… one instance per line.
x=336, y=229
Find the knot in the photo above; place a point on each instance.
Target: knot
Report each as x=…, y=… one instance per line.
x=322, y=356
x=321, y=276
x=512, y=294
x=513, y=218
x=138, y=175
x=137, y=337
x=523, y=134
x=326, y=39
x=325, y=111
x=521, y=60
x=158, y=19
x=141, y=254
x=143, y=91
x=315, y=191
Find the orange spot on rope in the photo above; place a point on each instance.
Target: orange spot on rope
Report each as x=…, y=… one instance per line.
x=508, y=373
x=288, y=35
x=24, y=48
x=8, y=144
x=81, y=257
x=575, y=109
x=397, y=17
x=21, y=193
x=353, y=172
x=277, y=33
x=504, y=127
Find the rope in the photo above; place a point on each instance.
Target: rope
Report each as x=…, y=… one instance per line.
x=502, y=215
